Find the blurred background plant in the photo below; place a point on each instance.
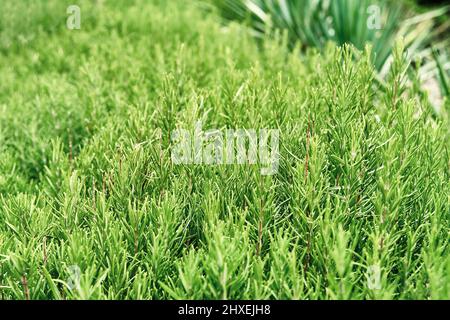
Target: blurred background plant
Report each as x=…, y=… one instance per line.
x=441, y=70
x=379, y=23
x=443, y=65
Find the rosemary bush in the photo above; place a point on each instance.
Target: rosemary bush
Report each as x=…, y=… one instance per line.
x=92, y=207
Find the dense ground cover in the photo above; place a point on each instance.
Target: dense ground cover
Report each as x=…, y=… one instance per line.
x=91, y=205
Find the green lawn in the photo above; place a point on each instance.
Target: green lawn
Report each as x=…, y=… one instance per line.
x=93, y=207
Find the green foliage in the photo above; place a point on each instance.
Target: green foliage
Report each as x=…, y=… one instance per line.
x=314, y=23
x=92, y=207
x=443, y=73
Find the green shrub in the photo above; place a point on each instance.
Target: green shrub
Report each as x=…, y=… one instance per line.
x=92, y=207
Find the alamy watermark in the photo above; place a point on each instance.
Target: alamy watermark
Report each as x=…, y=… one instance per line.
x=73, y=282
x=74, y=18
x=374, y=18
x=230, y=146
